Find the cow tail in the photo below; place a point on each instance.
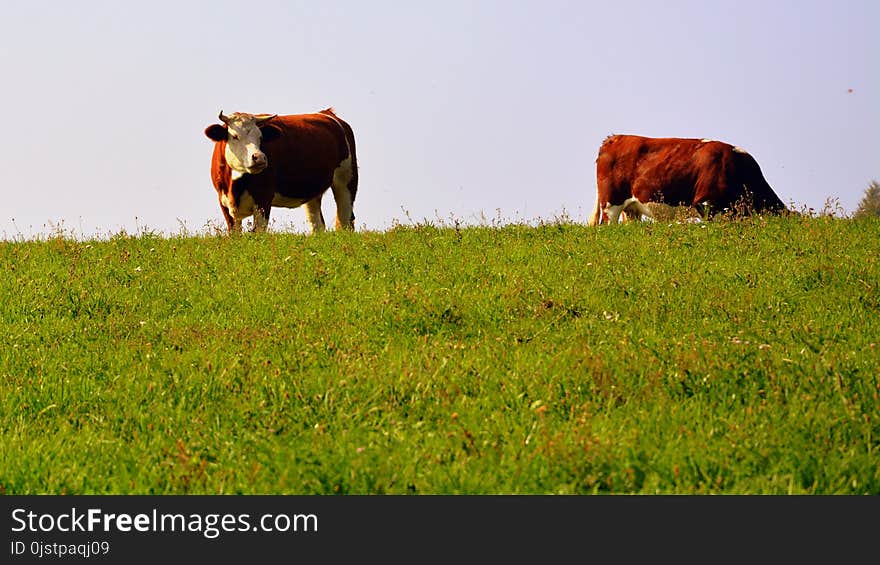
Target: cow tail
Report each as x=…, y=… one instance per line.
x=597, y=213
x=349, y=139
x=751, y=176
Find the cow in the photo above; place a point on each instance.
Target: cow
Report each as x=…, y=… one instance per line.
x=265, y=160
x=632, y=170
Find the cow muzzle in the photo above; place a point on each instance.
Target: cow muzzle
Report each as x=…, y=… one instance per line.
x=258, y=163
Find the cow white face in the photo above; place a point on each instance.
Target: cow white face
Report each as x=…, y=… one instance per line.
x=243, y=137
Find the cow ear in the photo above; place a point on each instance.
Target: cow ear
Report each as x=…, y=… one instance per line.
x=270, y=132
x=216, y=132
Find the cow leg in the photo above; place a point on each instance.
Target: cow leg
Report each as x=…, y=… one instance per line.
x=314, y=215
x=344, y=188
x=613, y=213
x=232, y=225
x=704, y=210
x=634, y=207
x=262, y=210
x=631, y=207
x=344, y=205
x=261, y=221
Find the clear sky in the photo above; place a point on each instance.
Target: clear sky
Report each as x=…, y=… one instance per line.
x=461, y=109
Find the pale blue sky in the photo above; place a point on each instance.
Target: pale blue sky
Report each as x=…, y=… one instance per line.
x=460, y=109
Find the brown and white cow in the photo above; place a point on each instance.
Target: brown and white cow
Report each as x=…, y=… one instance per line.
x=633, y=170
x=265, y=160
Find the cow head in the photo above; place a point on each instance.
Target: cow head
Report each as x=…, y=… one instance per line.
x=243, y=134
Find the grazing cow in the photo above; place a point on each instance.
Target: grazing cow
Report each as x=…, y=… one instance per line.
x=632, y=170
x=267, y=160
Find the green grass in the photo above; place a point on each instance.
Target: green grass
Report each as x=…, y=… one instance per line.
x=726, y=357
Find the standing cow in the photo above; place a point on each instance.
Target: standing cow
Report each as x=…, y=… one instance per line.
x=632, y=170
x=263, y=160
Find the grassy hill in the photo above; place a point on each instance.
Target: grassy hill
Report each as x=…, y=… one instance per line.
x=723, y=357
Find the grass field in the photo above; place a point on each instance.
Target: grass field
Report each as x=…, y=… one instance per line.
x=723, y=357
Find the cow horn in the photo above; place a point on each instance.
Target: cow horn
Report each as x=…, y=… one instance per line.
x=223, y=118
x=264, y=118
